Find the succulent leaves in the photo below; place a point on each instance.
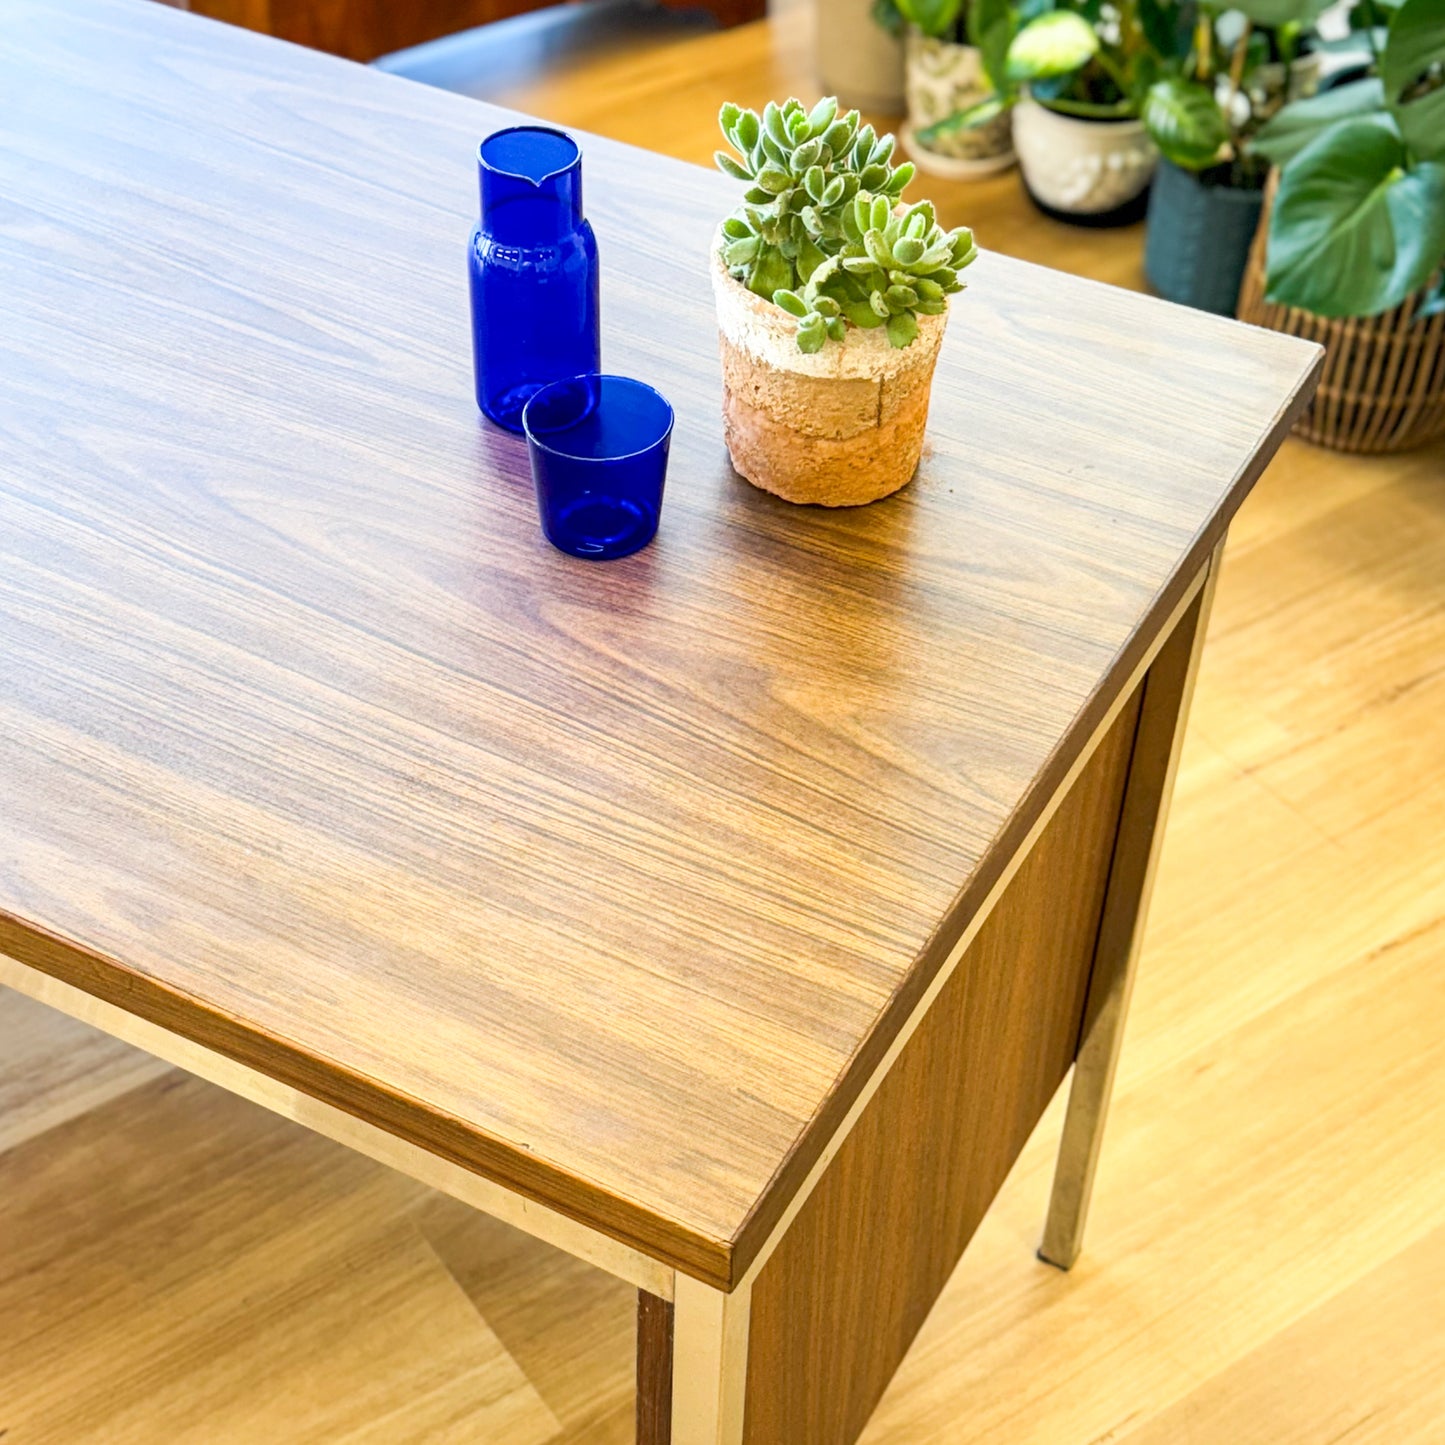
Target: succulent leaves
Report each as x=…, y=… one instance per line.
x=822, y=232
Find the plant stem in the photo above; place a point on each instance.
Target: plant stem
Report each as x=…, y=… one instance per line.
x=1241, y=52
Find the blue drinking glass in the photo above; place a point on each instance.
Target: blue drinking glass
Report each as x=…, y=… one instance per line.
x=599, y=458
x=533, y=267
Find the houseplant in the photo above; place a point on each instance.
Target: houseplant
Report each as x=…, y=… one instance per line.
x=1074, y=73
x=945, y=74
x=1227, y=71
x=832, y=297
x=1352, y=247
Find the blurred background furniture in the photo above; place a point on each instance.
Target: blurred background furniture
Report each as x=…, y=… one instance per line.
x=364, y=29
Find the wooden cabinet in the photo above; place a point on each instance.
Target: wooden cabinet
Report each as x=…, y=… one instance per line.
x=364, y=29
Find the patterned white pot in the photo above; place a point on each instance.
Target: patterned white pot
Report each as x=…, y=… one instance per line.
x=943, y=79
x=1082, y=167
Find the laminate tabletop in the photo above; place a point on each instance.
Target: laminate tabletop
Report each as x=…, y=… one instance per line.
x=609, y=882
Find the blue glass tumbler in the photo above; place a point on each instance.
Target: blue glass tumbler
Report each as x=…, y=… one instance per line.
x=533, y=266
x=599, y=458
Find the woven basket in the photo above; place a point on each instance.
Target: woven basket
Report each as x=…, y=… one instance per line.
x=1383, y=388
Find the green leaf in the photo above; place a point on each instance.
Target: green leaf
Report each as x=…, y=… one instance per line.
x=776, y=127
x=740, y=252
x=1166, y=27
x=728, y=117
x=1058, y=43
x=1274, y=13
x=838, y=329
x=902, y=329
x=1289, y=132
x=1417, y=41
x=834, y=192
x=991, y=27
x=862, y=315
x=900, y=178
x=877, y=249
x=879, y=303
x=810, y=258
x=907, y=251
x=729, y=167
x=748, y=130
x=770, y=273
x=1185, y=122
x=812, y=333
x=805, y=157
x=774, y=181
x=736, y=229
x=932, y=17
x=791, y=302
x=1354, y=231
x=971, y=118
x=878, y=212
x=822, y=114
x=904, y=296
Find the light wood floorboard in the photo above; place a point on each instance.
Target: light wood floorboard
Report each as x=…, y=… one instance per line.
x=1266, y=1253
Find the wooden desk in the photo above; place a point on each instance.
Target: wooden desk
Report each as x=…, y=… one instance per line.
x=726, y=915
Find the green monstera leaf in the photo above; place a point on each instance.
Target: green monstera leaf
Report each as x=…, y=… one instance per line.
x=1055, y=44
x=1416, y=44
x=1185, y=122
x=1356, y=228
x=1302, y=121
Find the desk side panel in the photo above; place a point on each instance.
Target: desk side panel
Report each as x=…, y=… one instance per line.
x=837, y=1306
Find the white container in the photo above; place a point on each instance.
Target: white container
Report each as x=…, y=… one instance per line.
x=1081, y=167
x=858, y=60
x=943, y=79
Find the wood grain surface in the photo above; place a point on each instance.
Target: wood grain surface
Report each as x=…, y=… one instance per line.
x=837, y=1306
x=606, y=882
x=654, y=1369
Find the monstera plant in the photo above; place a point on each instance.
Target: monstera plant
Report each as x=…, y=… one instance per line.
x=1358, y=223
x=1354, y=248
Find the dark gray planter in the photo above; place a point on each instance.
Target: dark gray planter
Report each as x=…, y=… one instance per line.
x=1198, y=239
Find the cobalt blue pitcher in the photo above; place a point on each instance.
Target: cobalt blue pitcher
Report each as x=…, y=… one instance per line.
x=533, y=264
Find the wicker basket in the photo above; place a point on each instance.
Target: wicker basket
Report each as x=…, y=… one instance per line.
x=1383, y=388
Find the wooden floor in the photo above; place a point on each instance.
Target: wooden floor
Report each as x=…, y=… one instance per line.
x=1266, y=1257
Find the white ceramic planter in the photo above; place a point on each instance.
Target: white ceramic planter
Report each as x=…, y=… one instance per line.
x=838, y=428
x=1082, y=167
x=943, y=79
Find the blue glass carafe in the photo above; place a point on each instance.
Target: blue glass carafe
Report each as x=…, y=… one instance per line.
x=533, y=264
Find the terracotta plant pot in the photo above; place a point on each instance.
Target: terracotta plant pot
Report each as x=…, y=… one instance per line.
x=839, y=428
x=943, y=79
x=1093, y=171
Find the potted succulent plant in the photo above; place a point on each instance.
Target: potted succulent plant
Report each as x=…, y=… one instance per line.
x=832, y=297
x=1227, y=73
x=1351, y=248
x=945, y=74
x=1075, y=73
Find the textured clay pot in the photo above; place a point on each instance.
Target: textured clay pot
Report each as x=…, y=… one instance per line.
x=839, y=428
x=944, y=79
x=1090, y=170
